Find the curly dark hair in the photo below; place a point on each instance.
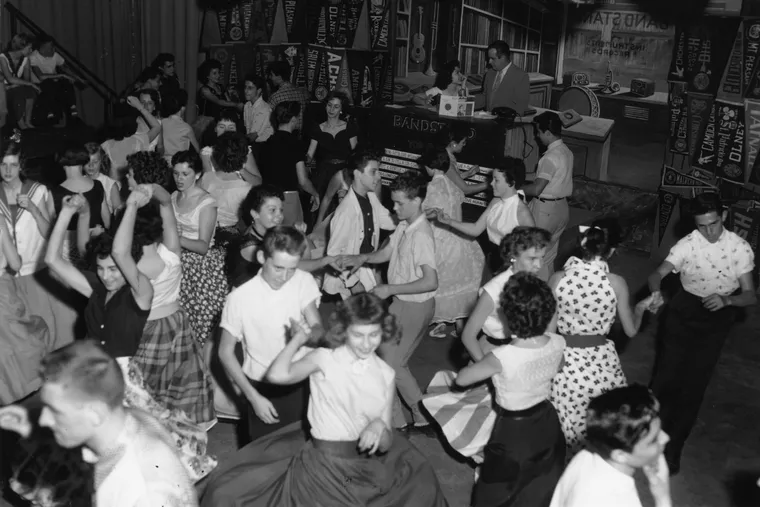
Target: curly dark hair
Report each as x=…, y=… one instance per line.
x=149, y=167
x=360, y=309
x=412, y=183
x=73, y=155
x=345, y=102
x=189, y=157
x=149, y=227
x=205, y=69
x=520, y=239
x=599, y=240
x=528, y=305
x=513, y=170
x=230, y=152
x=101, y=246
x=284, y=112
x=620, y=418
x=154, y=96
x=256, y=198
x=434, y=158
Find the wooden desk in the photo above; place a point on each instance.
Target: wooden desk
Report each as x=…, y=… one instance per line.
x=589, y=141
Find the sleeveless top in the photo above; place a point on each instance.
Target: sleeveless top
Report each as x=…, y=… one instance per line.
x=16, y=69
x=30, y=244
x=526, y=374
x=240, y=269
x=586, y=301
x=190, y=221
x=206, y=107
x=229, y=194
x=166, y=285
x=502, y=218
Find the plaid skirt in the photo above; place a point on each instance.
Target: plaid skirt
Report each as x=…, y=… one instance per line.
x=171, y=362
x=204, y=289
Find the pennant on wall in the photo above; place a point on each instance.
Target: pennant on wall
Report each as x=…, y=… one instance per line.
x=751, y=34
x=336, y=28
x=678, y=61
x=257, y=29
x=334, y=61
x=236, y=23
x=674, y=178
x=360, y=73
x=322, y=84
x=313, y=18
x=379, y=18
x=354, y=11
x=730, y=130
x=705, y=152
x=665, y=206
x=746, y=224
x=698, y=114
x=293, y=54
x=709, y=46
x=752, y=120
x=312, y=62
x=295, y=20
x=679, y=132
x=269, y=8
x=731, y=87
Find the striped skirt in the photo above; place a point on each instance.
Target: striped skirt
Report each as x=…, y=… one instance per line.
x=171, y=362
x=466, y=417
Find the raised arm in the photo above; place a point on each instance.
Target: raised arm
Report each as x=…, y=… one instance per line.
x=171, y=234
x=122, y=241
x=54, y=257
x=153, y=123
x=250, y=172
x=284, y=370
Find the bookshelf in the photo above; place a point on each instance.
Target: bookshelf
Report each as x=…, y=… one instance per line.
x=485, y=21
x=403, y=29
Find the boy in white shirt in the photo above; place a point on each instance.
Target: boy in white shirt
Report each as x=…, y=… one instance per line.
x=624, y=431
x=56, y=82
x=412, y=282
x=258, y=314
x=256, y=111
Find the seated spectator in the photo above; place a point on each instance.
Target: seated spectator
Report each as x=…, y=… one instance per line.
x=176, y=134
x=82, y=401
x=17, y=79
x=624, y=434
x=124, y=140
x=164, y=62
x=58, y=98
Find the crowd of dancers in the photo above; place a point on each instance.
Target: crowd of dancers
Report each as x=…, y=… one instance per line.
x=202, y=278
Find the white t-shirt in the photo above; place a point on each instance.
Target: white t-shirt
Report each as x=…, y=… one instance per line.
x=494, y=324
x=46, y=64
x=258, y=316
x=556, y=166
x=348, y=393
x=589, y=481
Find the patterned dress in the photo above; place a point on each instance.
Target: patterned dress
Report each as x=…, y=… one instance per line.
x=204, y=282
x=459, y=260
x=586, y=305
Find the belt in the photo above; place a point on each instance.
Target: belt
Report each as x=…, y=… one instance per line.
x=521, y=414
x=342, y=448
x=550, y=199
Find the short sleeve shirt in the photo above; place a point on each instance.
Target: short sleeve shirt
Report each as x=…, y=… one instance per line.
x=589, y=481
x=258, y=315
x=556, y=166
x=412, y=247
x=711, y=268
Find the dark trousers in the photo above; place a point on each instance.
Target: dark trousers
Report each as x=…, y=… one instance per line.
x=290, y=402
x=691, y=342
x=57, y=98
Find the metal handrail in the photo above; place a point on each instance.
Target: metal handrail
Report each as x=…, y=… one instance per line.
x=100, y=87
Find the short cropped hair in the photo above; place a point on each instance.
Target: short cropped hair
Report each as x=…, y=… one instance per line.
x=501, y=47
x=360, y=309
x=549, y=120
x=189, y=157
x=412, y=183
x=359, y=159
x=173, y=102
x=256, y=198
x=522, y=238
x=284, y=112
x=149, y=167
x=230, y=152
x=283, y=239
x=87, y=368
x=528, y=304
x=162, y=59
x=620, y=418
x=258, y=81
x=706, y=203
x=513, y=170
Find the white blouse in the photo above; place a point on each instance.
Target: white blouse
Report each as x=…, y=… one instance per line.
x=348, y=393
x=502, y=218
x=167, y=284
x=190, y=221
x=30, y=244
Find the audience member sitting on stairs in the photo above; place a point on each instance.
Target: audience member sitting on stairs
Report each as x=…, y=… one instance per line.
x=17, y=78
x=57, y=96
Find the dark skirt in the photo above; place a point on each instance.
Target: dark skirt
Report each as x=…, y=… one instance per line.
x=285, y=470
x=325, y=170
x=523, y=459
x=171, y=362
x=290, y=402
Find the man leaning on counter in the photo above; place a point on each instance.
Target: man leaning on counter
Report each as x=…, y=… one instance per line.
x=504, y=84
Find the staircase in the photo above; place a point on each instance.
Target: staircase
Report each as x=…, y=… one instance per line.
x=41, y=144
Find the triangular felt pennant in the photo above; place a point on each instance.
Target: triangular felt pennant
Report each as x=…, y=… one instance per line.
x=673, y=178
x=334, y=61
x=270, y=13
x=752, y=138
x=751, y=51
x=355, y=62
x=313, y=17
x=300, y=72
x=379, y=19
x=731, y=88
x=247, y=9
x=711, y=39
x=698, y=108
x=730, y=134
x=289, y=8
x=665, y=206
x=222, y=54
x=312, y=62
x=344, y=80
x=677, y=70
x=279, y=28
x=222, y=15
x=386, y=92
x=257, y=27
x=679, y=125
x=289, y=53
x=361, y=36
x=705, y=153
x=321, y=88
x=353, y=12
x=322, y=35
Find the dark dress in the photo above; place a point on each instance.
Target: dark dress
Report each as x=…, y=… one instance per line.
x=332, y=153
x=206, y=107
x=240, y=269
x=118, y=324
x=94, y=196
x=279, y=157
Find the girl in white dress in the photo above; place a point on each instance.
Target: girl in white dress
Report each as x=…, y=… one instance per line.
x=353, y=457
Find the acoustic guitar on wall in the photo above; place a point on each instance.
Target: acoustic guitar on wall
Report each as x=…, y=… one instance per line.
x=418, y=42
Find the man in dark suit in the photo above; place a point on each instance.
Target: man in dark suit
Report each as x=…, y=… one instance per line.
x=504, y=84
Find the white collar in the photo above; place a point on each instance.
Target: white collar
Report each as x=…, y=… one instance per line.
x=554, y=144
x=503, y=71
x=417, y=221
x=257, y=101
